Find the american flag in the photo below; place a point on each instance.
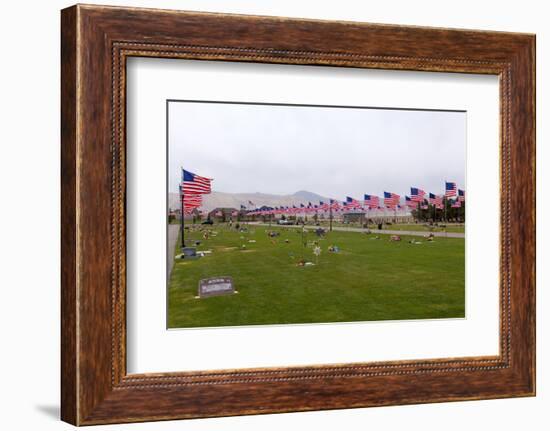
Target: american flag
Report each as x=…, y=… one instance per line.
x=461, y=195
x=409, y=202
x=192, y=201
x=372, y=201
x=353, y=204
x=436, y=200
x=391, y=199
x=417, y=195
x=456, y=204
x=195, y=184
x=334, y=205
x=450, y=189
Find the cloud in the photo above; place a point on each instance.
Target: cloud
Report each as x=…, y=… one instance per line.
x=332, y=151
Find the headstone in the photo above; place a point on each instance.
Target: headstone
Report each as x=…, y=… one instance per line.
x=216, y=286
x=189, y=252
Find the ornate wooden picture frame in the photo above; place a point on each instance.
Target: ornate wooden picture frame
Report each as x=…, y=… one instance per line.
x=96, y=41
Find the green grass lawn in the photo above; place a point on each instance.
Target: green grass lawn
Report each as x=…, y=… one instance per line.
x=369, y=279
x=422, y=227
x=450, y=227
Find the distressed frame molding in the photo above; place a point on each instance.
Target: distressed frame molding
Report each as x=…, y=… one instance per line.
x=96, y=41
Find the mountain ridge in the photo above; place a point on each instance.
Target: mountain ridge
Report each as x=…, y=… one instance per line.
x=235, y=200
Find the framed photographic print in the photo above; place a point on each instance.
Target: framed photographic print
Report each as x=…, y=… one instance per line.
x=266, y=215
x=287, y=249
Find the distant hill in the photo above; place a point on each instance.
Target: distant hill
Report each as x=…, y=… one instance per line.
x=235, y=200
x=305, y=196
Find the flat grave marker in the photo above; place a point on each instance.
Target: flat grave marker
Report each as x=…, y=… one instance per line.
x=216, y=286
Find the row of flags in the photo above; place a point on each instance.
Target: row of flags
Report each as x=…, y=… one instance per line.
x=353, y=205
x=193, y=186
x=418, y=199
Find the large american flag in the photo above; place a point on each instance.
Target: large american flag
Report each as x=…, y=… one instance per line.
x=450, y=189
x=431, y=198
x=372, y=201
x=192, y=201
x=195, y=184
x=417, y=195
x=391, y=199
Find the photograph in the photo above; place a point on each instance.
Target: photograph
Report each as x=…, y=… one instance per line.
x=305, y=214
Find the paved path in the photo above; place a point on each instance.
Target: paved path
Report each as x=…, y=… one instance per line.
x=173, y=233
x=383, y=231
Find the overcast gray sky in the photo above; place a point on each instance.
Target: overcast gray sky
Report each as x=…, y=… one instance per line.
x=332, y=151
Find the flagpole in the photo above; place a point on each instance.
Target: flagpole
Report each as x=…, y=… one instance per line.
x=445, y=203
x=330, y=214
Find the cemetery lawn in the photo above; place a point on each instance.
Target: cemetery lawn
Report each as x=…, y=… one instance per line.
x=419, y=227
x=368, y=279
x=422, y=227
